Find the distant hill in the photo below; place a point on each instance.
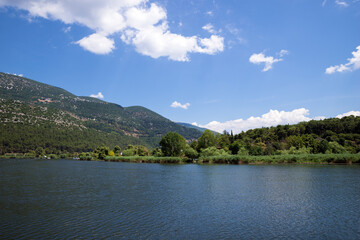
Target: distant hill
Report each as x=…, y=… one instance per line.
x=188, y=125
x=35, y=114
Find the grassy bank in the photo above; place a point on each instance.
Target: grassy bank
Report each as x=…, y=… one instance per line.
x=280, y=159
x=224, y=159
x=145, y=159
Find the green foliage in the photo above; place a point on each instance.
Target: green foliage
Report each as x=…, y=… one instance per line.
x=279, y=159
x=129, y=152
x=336, y=148
x=173, y=144
x=157, y=152
x=39, y=152
x=191, y=153
x=206, y=140
x=235, y=147
x=213, y=151
x=101, y=152
x=137, y=150
x=145, y=159
x=117, y=150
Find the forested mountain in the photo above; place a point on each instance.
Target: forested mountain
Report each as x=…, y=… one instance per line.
x=193, y=126
x=34, y=114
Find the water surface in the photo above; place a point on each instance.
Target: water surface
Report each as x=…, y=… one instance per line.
x=88, y=200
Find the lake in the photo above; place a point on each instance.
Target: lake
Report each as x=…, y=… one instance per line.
x=104, y=200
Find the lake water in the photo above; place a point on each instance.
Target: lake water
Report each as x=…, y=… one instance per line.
x=103, y=200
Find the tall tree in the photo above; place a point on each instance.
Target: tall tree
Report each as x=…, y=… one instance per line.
x=173, y=144
x=206, y=140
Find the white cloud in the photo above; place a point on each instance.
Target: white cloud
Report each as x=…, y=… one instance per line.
x=99, y=95
x=210, y=13
x=341, y=3
x=236, y=38
x=210, y=28
x=176, y=104
x=96, y=43
x=283, y=52
x=354, y=113
x=272, y=118
x=258, y=58
x=139, y=23
x=352, y=64
x=323, y=3
x=67, y=29
x=19, y=75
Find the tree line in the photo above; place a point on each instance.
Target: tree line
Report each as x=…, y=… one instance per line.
x=329, y=136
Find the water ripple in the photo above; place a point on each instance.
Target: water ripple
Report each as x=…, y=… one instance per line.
x=100, y=200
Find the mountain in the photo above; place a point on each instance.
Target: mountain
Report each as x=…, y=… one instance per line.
x=188, y=125
x=35, y=114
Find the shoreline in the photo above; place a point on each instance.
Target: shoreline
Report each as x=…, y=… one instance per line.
x=295, y=159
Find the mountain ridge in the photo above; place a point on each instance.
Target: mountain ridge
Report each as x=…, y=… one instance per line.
x=33, y=104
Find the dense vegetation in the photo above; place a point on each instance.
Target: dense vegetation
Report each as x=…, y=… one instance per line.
x=36, y=115
x=326, y=141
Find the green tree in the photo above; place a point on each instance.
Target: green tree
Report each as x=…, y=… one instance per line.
x=191, y=153
x=206, y=140
x=156, y=152
x=173, y=144
x=39, y=152
x=101, y=152
x=235, y=147
x=213, y=151
x=117, y=150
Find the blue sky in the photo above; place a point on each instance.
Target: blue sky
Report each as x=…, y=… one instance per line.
x=223, y=64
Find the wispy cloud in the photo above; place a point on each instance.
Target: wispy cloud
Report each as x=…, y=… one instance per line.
x=210, y=13
x=341, y=3
x=259, y=58
x=283, y=52
x=352, y=64
x=67, y=29
x=99, y=95
x=210, y=28
x=176, y=104
x=235, y=32
x=141, y=24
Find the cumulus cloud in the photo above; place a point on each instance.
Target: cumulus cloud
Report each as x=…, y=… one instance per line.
x=269, y=119
x=352, y=64
x=96, y=43
x=99, y=95
x=258, y=58
x=176, y=104
x=139, y=24
x=354, y=113
x=272, y=118
x=341, y=3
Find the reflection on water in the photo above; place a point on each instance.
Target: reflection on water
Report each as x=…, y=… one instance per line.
x=74, y=199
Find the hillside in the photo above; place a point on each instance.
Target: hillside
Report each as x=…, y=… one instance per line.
x=34, y=114
x=188, y=125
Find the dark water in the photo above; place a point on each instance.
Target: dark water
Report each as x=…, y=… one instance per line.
x=99, y=200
